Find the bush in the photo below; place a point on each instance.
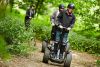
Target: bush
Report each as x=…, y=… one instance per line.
x=42, y=28
x=81, y=43
x=13, y=29
x=24, y=49
x=89, y=33
x=98, y=63
x=15, y=34
x=4, y=54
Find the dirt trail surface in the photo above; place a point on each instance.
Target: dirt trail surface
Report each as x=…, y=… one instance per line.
x=35, y=60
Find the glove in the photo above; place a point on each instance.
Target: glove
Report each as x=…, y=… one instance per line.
x=52, y=24
x=68, y=28
x=30, y=17
x=60, y=26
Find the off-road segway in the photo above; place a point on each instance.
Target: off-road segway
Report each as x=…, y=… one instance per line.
x=50, y=55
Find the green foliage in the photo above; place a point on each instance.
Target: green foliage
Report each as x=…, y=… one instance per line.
x=82, y=43
x=23, y=6
x=23, y=50
x=41, y=26
x=11, y=2
x=98, y=63
x=4, y=54
x=39, y=5
x=15, y=35
x=87, y=25
x=87, y=18
x=3, y=3
x=89, y=34
x=14, y=30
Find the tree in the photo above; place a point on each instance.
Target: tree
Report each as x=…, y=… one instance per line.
x=4, y=4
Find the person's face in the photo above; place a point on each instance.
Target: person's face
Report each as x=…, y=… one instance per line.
x=61, y=9
x=70, y=10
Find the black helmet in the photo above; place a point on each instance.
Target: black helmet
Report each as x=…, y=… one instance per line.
x=61, y=6
x=31, y=6
x=71, y=5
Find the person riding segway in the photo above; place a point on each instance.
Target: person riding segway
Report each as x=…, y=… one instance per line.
x=60, y=52
x=54, y=24
x=66, y=21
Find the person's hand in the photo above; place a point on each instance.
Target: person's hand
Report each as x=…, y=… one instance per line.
x=60, y=26
x=68, y=28
x=53, y=24
x=30, y=17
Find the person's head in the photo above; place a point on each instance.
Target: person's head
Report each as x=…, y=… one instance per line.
x=70, y=7
x=32, y=6
x=61, y=7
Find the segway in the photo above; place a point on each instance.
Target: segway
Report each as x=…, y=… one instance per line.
x=49, y=53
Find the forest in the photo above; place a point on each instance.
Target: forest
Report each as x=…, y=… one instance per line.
x=15, y=40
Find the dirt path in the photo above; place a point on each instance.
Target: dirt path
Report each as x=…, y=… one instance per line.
x=35, y=60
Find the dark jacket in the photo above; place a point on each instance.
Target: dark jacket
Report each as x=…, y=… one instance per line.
x=54, y=17
x=30, y=13
x=66, y=20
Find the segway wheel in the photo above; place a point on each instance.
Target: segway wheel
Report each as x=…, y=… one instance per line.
x=44, y=45
x=46, y=55
x=68, y=60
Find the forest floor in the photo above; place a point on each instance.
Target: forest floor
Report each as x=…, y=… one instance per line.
x=80, y=59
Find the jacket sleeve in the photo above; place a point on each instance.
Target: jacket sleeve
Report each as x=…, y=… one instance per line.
x=72, y=22
x=60, y=18
x=33, y=13
x=27, y=12
x=52, y=18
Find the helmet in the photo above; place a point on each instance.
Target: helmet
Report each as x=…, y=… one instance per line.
x=32, y=5
x=61, y=6
x=71, y=5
